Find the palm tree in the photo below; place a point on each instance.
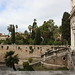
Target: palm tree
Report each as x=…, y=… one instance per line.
x=9, y=28
x=11, y=59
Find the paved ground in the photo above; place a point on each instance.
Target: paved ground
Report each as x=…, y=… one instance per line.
x=7, y=71
x=37, y=73
x=4, y=68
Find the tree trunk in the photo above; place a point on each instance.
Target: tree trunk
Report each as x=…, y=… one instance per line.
x=14, y=67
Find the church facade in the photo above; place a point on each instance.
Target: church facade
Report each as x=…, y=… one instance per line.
x=72, y=22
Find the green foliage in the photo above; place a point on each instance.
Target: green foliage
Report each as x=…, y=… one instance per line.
x=31, y=49
x=20, y=40
x=13, y=34
x=2, y=41
x=38, y=37
x=46, y=34
x=30, y=60
x=65, y=28
x=30, y=28
x=25, y=64
x=31, y=41
x=34, y=27
x=11, y=59
x=26, y=67
x=9, y=54
x=11, y=29
x=26, y=34
x=57, y=43
x=47, y=31
x=7, y=41
x=51, y=42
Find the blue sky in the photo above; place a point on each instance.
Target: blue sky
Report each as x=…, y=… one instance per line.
x=22, y=12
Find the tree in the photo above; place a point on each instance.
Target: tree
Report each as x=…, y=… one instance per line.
x=56, y=33
x=38, y=37
x=19, y=39
x=26, y=34
x=13, y=35
x=11, y=59
x=47, y=31
x=65, y=28
x=34, y=27
x=30, y=28
x=11, y=29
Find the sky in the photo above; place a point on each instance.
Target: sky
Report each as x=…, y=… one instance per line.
x=23, y=12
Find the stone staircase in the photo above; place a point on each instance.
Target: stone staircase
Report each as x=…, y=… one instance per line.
x=61, y=52
x=55, y=51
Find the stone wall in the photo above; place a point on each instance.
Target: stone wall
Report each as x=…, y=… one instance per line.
x=61, y=60
x=23, y=51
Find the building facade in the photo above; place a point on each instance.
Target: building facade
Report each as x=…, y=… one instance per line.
x=72, y=22
x=3, y=37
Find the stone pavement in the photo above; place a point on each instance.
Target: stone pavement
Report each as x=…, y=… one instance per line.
x=8, y=71
x=37, y=73
x=5, y=68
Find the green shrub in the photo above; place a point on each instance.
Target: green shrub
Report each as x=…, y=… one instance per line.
x=31, y=42
x=50, y=42
x=31, y=49
x=57, y=43
x=30, y=60
x=25, y=64
x=26, y=67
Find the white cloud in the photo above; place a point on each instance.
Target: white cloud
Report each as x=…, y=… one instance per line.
x=22, y=12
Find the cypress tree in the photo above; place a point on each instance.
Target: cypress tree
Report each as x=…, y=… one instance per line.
x=66, y=28
x=13, y=34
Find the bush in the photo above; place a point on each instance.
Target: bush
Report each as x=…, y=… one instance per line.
x=31, y=42
x=25, y=64
x=30, y=60
x=50, y=42
x=26, y=67
x=31, y=49
x=57, y=43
